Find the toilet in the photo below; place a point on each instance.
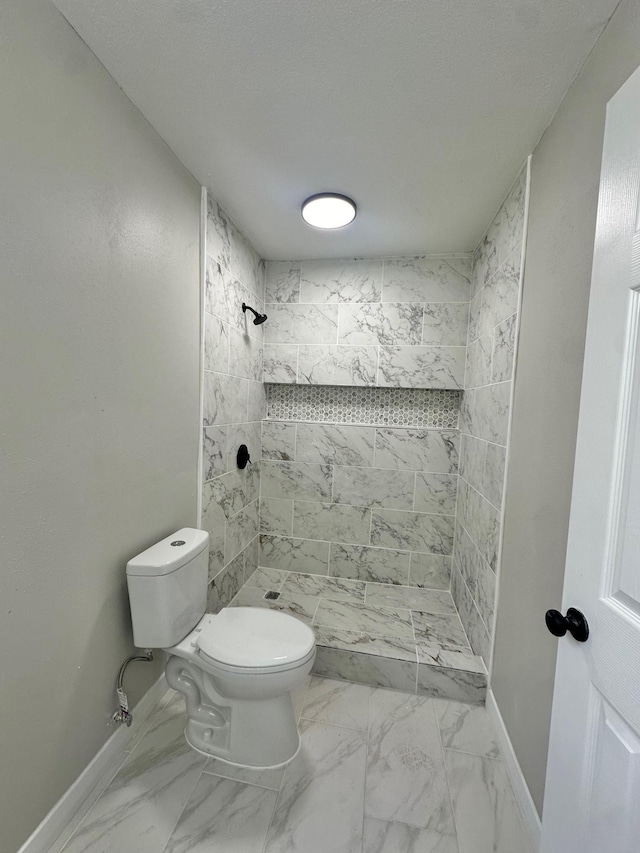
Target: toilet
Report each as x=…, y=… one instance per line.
x=236, y=669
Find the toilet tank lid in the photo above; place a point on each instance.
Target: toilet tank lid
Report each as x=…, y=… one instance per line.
x=169, y=554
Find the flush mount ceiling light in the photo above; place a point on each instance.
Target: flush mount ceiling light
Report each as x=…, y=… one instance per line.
x=328, y=210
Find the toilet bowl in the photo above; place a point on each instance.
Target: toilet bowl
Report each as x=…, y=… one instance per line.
x=242, y=665
x=236, y=669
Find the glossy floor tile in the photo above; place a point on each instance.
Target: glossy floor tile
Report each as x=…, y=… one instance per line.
x=141, y=806
x=406, y=778
x=486, y=814
x=242, y=817
x=385, y=635
x=379, y=771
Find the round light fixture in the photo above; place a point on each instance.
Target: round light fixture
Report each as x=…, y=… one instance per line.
x=328, y=210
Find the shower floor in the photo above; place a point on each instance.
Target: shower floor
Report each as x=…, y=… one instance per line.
x=383, y=635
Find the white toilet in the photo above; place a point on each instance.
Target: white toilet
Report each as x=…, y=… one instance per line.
x=236, y=668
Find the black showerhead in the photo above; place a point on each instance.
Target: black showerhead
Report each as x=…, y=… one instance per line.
x=259, y=318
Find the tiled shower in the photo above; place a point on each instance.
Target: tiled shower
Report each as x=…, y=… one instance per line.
x=375, y=404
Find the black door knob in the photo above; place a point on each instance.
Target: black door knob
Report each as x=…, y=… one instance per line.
x=574, y=622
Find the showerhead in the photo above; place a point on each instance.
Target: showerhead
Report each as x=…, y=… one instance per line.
x=259, y=318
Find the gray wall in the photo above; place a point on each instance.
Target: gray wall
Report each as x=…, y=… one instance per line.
x=99, y=242
x=564, y=190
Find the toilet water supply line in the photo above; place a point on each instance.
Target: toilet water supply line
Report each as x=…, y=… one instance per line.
x=123, y=714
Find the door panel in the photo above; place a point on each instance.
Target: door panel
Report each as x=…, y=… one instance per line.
x=615, y=784
x=592, y=795
x=623, y=583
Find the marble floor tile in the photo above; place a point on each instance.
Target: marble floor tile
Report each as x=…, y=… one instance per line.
x=169, y=703
x=406, y=779
x=487, y=817
x=365, y=669
x=338, y=703
x=381, y=836
x=298, y=696
x=425, y=600
x=382, y=621
x=301, y=606
x=320, y=804
x=70, y=828
x=337, y=589
x=365, y=752
x=359, y=641
x=262, y=778
x=140, y=808
x=440, y=629
x=466, y=728
x=267, y=579
x=242, y=816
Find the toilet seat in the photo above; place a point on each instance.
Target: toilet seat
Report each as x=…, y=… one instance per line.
x=215, y=665
x=255, y=639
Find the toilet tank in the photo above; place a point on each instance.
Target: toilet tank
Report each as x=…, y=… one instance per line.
x=168, y=588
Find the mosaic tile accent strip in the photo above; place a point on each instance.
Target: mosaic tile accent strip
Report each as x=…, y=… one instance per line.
x=411, y=407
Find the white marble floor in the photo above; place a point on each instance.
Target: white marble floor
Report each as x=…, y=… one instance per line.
x=379, y=771
x=384, y=635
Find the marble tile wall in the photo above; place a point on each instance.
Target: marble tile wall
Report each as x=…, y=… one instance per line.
x=234, y=405
x=397, y=323
x=484, y=417
x=362, y=502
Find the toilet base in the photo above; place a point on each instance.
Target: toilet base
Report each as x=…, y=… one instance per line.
x=259, y=733
x=243, y=766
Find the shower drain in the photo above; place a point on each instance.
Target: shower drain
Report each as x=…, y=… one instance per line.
x=414, y=758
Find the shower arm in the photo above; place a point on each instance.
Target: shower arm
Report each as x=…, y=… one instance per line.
x=259, y=318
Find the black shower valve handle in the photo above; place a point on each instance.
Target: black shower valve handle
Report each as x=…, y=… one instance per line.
x=242, y=457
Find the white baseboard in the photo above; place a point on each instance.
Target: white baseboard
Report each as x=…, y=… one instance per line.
x=516, y=777
x=64, y=817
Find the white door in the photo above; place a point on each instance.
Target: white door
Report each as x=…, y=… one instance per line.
x=592, y=797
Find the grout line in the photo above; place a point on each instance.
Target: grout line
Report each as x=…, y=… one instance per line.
x=206, y=772
x=415, y=489
x=446, y=774
x=182, y=811
x=275, y=806
x=326, y=722
x=474, y=754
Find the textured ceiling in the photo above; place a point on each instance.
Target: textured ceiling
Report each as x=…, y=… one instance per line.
x=422, y=111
